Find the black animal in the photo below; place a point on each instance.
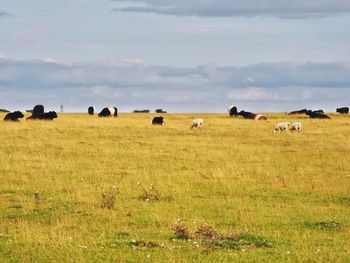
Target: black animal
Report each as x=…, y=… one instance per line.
x=316, y=115
x=318, y=111
x=158, y=121
x=44, y=116
x=160, y=111
x=13, y=116
x=303, y=111
x=38, y=109
x=232, y=111
x=247, y=114
x=343, y=110
x=91, y=110
x=252, y=116
x=141, y=111
x=115, y=112
x=108, y=112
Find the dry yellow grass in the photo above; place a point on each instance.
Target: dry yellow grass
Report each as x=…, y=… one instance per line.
x=293, y=189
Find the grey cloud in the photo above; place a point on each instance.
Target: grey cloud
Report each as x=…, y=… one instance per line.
x=133, y=83
x=229, y=8
x=4, y=14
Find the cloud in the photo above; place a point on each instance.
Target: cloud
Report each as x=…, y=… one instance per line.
x=133, y=83
x=4, y=14
x=229, y=8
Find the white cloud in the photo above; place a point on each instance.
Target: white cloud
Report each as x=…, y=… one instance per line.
x=229, y=8
x=132, y=83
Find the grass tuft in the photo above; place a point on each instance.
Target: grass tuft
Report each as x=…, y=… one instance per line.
x=142, y=244
x=109, y=198
x=151, y=194
x=325, y=225
x=180, y=230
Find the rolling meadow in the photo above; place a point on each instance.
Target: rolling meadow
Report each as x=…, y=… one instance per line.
x=89, y=189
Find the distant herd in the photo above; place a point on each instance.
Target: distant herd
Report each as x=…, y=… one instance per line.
x=38, y=113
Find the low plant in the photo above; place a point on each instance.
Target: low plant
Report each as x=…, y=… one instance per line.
x=109, y=198
x=180, y=230
x=208, y=232
x=152, y=194
x=325, y=225
x=142, y=244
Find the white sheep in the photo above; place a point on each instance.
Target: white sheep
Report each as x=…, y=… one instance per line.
x=197, y=123
x=296, y=126
x=282, y=126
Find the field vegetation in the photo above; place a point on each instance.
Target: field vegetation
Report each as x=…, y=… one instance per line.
x=86, y=189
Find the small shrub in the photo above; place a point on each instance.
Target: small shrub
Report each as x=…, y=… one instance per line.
x=180, y=230
x=108, y=198
x=208, y=232
x=207, y=237
x=37, y=200
x=152, y=194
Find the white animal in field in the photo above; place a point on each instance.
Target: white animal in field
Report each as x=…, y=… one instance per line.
x=197, y=123
x=111, y=110
x=259, y=117
x=282, y=126
x=296, y=126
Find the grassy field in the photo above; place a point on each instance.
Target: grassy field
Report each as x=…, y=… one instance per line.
x=121, y=190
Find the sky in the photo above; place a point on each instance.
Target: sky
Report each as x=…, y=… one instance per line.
x=182, y=56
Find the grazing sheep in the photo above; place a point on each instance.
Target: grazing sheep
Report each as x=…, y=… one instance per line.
x=197, y=123
x=296, y=126
x=282, y=126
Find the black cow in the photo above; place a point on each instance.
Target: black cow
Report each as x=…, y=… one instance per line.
x=247, y=114
x=91, y=110
x=158, y=121
x=108, y=112
x=38, y=109
x=318, y=111
x=252, y=116
x=13, y=116
x=115, y=112
x=141, y=111
x=316, y=115
x=44, y=116
x=303, y=111
x=343, y=110
x=232, y=111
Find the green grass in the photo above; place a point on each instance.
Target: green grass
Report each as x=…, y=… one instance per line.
x=274, y=197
